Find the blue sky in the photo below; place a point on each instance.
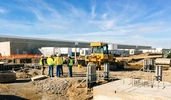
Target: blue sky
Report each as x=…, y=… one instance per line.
x=136, y=22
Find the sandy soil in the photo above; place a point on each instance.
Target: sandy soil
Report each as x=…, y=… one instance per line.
x=24, y=89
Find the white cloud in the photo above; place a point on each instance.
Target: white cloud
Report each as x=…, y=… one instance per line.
x=154, y=42
x=2, y=11
x=150, y=29
x=93, y=11
x=157, y=14
x=104, y=24
x=104, y=16
x=72, y=10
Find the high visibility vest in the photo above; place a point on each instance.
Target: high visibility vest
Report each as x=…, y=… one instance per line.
x=40, y=62
x=50, y=61
x=70, y=62
x=59, y=61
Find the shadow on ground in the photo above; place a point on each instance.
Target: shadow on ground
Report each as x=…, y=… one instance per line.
x=11, y=97
x=22, y=80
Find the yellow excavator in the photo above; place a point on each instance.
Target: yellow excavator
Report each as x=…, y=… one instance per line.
x=101, y=55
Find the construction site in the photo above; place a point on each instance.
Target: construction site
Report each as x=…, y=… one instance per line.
x=102, y=71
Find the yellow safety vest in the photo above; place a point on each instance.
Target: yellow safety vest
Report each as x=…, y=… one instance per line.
x=59, y=61
x=50, y=61
x=40, y=62
x=70, y=62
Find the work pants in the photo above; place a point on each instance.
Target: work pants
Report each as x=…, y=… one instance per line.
x=62, y=73
x=50, y=71
x=70, y=71
x=43, y=70
x=58, y=68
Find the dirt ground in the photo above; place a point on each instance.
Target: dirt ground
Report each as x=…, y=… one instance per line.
x=64, y=88
x=24, y=89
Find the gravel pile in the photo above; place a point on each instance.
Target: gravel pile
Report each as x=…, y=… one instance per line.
x=57, y=86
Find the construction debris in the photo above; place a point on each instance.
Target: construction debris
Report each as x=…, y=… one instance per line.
x=39, y=77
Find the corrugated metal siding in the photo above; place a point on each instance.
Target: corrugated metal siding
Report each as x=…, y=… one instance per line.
x=33, y=43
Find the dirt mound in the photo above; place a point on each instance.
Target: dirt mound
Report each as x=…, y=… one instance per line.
x=54, y=85
x=62, y=87
x=27, y=73
x=79, y=93
x=48, y=89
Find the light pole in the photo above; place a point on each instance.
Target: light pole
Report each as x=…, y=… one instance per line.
x=76, y=44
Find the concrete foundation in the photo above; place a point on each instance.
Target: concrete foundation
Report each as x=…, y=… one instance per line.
x=133, y=89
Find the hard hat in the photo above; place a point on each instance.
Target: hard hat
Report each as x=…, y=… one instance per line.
x=42, y=55
x=58, y=55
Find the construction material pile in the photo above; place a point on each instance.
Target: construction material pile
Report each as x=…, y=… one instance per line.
x=55, y=85
x=27, y=73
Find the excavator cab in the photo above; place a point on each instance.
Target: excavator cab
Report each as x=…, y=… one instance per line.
x=166, y=53
x=100, y=49
x=99, y=54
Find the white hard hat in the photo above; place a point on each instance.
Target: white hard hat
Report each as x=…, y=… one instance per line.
x=42, y=55
x=58, y=54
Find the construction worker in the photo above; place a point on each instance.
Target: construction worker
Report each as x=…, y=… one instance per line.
x=42, y=64
x=51, y=63
x=59, y=63
x=70, y=63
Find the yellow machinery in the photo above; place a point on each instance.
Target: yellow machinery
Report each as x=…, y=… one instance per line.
x=101, y=55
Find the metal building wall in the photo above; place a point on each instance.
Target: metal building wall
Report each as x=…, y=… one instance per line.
x=126, y=46
x=18, y=48
x=120, y=46
x=144, y=47
x=45, y=43
x=30, y=45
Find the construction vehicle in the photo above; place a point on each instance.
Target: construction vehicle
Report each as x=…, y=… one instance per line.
x=100, y=55
x=166, y=58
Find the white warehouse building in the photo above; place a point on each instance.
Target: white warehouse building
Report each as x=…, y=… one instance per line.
x=23, y=45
